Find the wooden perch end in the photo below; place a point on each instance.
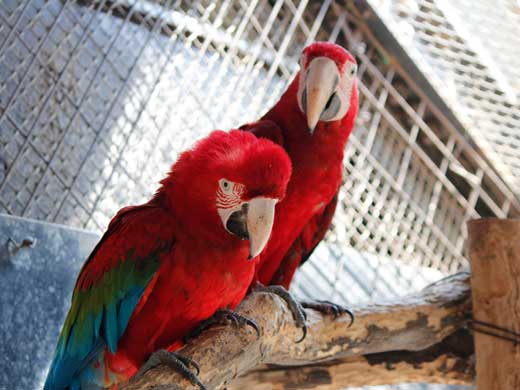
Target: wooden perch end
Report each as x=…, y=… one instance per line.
x=494, y=249
x=390, y=342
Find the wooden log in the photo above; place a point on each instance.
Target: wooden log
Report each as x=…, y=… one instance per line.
x=494, y=250
x=411, y=323
x=448, y=362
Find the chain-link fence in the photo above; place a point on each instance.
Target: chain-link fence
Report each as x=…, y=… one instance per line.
x=468, y=50
x=97, y=98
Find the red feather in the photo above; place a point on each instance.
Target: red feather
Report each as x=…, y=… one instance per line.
x=330, y=50
x=304, y=215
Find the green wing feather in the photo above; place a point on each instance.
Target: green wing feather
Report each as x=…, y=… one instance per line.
x=108, y=289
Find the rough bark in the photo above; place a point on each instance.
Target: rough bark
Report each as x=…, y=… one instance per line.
x=494, y=249
x=449, y=362
x=412, y=323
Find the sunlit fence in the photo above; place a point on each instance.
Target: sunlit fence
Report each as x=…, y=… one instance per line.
x=97, y=98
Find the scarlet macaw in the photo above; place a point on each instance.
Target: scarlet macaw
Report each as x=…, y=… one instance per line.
x=163, y=267
x=312, y=121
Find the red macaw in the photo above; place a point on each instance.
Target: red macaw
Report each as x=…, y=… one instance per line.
x=163, y=267
x=312, y=121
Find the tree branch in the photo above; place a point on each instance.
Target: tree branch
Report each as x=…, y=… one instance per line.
x=449, y=362
x=413, y=323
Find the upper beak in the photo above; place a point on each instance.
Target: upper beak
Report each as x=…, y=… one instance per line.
x=254, y=221
x=322, y=79
x=260, y=218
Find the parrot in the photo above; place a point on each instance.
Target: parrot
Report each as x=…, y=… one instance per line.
x=163, y=267
x=312, y=121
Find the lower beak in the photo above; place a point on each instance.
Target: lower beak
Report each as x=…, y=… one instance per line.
x=322, y=79
x=237, y=222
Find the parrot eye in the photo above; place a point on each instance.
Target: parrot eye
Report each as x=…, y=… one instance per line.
x=353, y=70
x=226, y=186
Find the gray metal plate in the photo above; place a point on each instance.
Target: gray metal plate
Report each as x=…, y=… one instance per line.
x=36, y=284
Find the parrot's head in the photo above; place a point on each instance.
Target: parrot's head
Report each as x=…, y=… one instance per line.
x=227, y=187
x=327, y=86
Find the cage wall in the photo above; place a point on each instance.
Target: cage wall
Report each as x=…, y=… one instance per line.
x=97, y=98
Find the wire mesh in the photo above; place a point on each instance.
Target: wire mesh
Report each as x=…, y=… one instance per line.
x=468, y=50
x=97, y=98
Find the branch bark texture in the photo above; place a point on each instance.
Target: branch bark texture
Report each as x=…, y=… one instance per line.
x=449, y=362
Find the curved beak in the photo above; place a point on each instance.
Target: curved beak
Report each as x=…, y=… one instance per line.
x=253, y=221
x=260, y=219
x=322, y=79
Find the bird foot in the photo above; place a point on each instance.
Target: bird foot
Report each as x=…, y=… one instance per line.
x=224, y=317
x=177, y=362
x=296, y=308
x=329, y=308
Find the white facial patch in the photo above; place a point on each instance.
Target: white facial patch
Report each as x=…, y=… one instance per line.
x=229, y=198
x=301, y=84
x=345, y=87
x=229, y=194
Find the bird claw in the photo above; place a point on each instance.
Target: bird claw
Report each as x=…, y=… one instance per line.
x=223, y=316
x=237, y=319
x=177, y=362
x=297, y=310
x=330, y=308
